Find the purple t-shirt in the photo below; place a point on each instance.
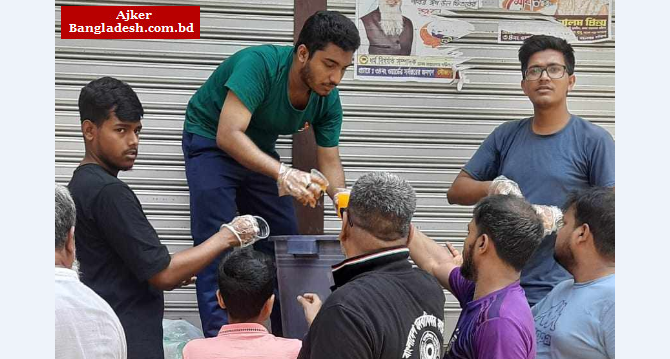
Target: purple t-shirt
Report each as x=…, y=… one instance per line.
x=498, y=325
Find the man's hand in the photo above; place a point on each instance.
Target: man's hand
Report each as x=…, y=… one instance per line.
x=245, y=228
x=458, y=257
x=504, y=185
x=551, y=216
x=318, y=186
x=466, y=190
x=187, y=282
x=435, y=259
x=311, y=304
x=305, y=187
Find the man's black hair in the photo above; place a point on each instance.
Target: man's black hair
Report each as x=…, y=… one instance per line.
x=512, y=225
x=537, y=43
x=246, y=280
x=104, y=96
x=595, y=207
x=326, y=27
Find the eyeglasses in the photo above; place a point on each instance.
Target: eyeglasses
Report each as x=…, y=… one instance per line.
x=349, y=219
x=553, y=71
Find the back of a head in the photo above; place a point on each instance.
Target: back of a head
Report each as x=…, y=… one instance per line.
x=326, y=27
x=382, y=204
x=99, y=98
x=595, y=206
x=246, y=280
x=66, y=215
x=513, y=226
x=537, y=43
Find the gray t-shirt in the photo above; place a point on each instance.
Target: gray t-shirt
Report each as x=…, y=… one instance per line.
x=576, y=320
x=547, y=168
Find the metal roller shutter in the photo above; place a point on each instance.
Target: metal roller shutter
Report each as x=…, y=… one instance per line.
x=423, y=132
x=164, y=73
x=426, y=132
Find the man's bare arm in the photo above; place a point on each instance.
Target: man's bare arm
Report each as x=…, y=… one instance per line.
x=230, y=137
x=330, y=165
x=187, y=263
x=466, y=190
x=435, y=259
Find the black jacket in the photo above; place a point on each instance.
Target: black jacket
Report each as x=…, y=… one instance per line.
x=381, y=307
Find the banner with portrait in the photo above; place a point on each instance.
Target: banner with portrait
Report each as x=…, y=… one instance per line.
x=577, y=21
x=411, y=40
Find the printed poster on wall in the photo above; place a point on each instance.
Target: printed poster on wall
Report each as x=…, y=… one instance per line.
x=577, y=21
x=410, y=40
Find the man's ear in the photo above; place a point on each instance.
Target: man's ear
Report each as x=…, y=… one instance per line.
x=303, y=54
x=410, y=234
x=583, y=233
x=70, y=247
x=345, y=227
x=571, y=82
x=220, y=299
x=69, y=251
x=267, y=307
x=483, y=243
x=89, y=130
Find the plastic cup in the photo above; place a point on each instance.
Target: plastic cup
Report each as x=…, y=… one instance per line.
x=314, y=172
x=342, y=202
x=263, y=228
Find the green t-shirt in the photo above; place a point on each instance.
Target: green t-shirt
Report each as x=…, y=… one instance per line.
x=259, y=77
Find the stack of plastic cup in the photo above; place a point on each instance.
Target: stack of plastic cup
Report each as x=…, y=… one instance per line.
x=263, y=227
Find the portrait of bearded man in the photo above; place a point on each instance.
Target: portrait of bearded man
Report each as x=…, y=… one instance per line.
x=387, y=30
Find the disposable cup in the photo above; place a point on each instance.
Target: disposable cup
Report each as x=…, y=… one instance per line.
x=316, y=173
x=263, y=227
x=342, y=203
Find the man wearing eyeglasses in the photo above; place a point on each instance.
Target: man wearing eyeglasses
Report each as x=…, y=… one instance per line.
x=547, y=155
x=380, y=307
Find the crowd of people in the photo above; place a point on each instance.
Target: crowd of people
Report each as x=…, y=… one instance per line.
x=535, y=277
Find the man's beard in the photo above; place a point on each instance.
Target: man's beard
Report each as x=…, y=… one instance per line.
x=468, y=269
x=308, y=80
x=306, y=75
x=391, y=19
x=110, y=164
x=564, y=256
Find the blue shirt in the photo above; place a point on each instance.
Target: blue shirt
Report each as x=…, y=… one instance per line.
x=547, y=168
x=576, y=320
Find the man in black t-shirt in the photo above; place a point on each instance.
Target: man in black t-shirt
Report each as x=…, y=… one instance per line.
x=121, y=257
x=380, y=307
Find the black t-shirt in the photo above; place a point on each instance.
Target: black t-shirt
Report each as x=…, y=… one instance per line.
x=381, y=308
x=119, y=251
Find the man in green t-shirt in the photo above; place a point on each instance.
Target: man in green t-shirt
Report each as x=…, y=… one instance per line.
x=231, y=127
